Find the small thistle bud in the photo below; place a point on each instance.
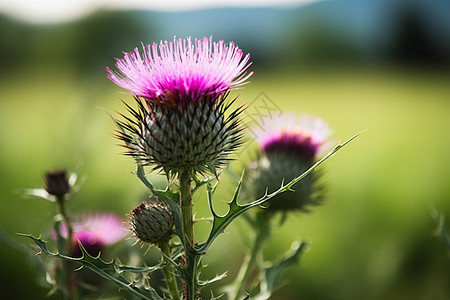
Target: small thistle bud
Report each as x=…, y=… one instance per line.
x=57, y=183
x=287, y=149
x=152, y=222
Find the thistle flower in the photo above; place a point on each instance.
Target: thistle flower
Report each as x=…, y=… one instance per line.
x=288, y=148
x=304, y=137
x=181, y=89
x=95, y=231
x=152, y=222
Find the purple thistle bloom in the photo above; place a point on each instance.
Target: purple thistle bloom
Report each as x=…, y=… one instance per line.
x=182, y=70
x=183, y=121
x=289, y=146
x=304, y=137
x=95, y=231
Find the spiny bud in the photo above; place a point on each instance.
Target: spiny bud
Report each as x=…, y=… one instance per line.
x=152, y=222
x=288, y=148
x=268, y=174
x=57, y=183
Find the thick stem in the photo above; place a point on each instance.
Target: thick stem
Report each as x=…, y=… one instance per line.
x=190, y=274
x=186, y=206
x=169, y=273
x=254, y=258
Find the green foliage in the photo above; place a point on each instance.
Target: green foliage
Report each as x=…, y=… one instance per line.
x=220, y=223
x=110, y=271
x=272, y=273
x=188, y=267
x=441, y=230
x=379, y=189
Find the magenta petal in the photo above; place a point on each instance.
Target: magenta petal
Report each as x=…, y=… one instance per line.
x=190, y=70
x=95, y=231
x=304, y=136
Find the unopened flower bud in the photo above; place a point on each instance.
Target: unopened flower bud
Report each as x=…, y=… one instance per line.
x=57, y=183
x=152, y=222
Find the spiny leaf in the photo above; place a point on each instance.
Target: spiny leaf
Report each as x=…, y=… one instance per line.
x=220, y=223
x=110, y=271
x=202, y=182
x=216, y=278
x=272, y=274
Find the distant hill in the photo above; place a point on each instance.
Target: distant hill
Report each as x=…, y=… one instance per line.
x=324, y=32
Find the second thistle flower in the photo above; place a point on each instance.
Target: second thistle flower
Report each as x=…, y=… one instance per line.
x=183, y=122
x=288, y=147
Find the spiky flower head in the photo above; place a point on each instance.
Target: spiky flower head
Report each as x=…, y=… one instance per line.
x=288, y=147
x=95, y=231
x=181, y=88
x=152, y=222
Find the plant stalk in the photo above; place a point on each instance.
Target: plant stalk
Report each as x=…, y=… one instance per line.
x=66, y=220
x=169, y=272
x=186, y=206
x=262, y=231
x=66, y=248
x=190, y=273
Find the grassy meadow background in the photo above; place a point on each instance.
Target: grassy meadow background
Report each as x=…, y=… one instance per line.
x=374, y=238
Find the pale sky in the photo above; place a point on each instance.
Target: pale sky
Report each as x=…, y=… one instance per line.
x=48, y=11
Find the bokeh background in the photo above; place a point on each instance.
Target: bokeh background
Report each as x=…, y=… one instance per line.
x=380, y=65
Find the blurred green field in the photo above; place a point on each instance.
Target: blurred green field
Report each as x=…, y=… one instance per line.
x=373, y=238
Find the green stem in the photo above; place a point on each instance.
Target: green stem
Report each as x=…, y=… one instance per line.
x=66, y=220
x=190, y=276
x=65, y=247
x=255, y=256
x=169, y=272
x=62, y=273
x=186, y=207
x=190, y=273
